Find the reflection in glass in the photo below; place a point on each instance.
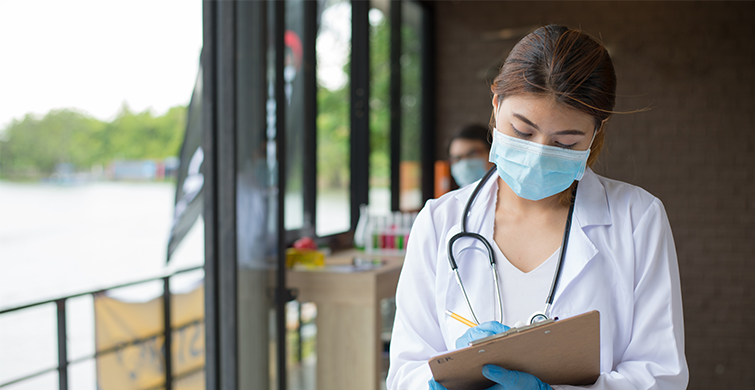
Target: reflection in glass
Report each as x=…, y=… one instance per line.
x=293, y=79
x=255, y=197
x=333, y=49
x=411, y=107
x=380, y=112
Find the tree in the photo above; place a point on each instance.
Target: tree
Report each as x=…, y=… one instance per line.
x=33, y=146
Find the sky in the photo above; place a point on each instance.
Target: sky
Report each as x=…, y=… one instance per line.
x=96, y=55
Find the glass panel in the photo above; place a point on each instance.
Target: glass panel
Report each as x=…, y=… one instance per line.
x=296, y=217
x=80, y=323
x=81, y=375
x=28, y=342
x=411, y=107
x=256, y=198
x=380, y=110
x=89, y=154
x=333, y=121
x=45, y=381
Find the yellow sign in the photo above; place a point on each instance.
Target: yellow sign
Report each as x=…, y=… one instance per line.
x=139, y=365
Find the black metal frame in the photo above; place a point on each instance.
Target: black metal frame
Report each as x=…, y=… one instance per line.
x=282, y=294
x=360, y=107
x=62, y=333
x=226, y=181
x=210, y=191
x=427, y=136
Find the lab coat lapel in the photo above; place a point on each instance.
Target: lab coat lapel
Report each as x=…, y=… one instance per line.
x=591, y=208
x=482, y=212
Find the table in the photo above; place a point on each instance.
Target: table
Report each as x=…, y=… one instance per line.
x=349, y=348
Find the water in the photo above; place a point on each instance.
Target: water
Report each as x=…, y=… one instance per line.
x=62, y=240
x=57, y=241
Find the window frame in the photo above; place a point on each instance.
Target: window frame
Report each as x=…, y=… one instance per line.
x=359, y=142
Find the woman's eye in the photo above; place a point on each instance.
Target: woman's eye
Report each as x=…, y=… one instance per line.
x=560, y=145
x=519, y=133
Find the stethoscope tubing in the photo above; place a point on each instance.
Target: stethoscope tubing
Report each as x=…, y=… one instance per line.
x=562, y=255
x=545, y=314
x=479, y=237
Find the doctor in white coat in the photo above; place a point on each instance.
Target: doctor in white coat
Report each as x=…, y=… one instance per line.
x=551, y=102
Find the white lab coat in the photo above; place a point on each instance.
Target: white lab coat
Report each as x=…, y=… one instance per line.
x=620, y=261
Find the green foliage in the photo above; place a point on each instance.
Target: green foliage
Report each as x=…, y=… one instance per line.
x=31, y=147
x=333, y=133
x=380, y=99
x=333, y=122
x=333, y=125
x=411, y=93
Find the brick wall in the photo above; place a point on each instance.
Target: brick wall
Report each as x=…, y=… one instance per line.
x=694, y=64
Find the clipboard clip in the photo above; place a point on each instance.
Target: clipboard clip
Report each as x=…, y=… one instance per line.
x=511, y=331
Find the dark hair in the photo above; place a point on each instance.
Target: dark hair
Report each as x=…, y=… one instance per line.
x=567, y=64
x=472, y=132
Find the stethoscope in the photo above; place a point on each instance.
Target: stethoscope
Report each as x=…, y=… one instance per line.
x=537, y=316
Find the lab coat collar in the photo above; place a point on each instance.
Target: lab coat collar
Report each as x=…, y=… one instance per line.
x=591, y=208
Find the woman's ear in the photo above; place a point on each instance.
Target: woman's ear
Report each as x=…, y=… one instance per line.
x=602, y=125
x=495, y=107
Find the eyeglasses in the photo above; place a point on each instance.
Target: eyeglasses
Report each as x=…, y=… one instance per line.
x=474, y=153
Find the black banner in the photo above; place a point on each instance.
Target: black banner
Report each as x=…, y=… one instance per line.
x=190, y=178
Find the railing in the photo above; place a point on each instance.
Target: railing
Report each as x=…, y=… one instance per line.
x=63, y=361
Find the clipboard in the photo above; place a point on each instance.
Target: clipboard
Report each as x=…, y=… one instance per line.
x=561, y=352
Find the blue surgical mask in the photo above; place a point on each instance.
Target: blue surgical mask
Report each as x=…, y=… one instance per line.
x=535, y=171
x=468, y=170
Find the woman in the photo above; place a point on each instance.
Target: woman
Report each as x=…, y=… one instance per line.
x=551, y=103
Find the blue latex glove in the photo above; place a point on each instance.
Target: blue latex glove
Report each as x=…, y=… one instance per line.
x=483, y=330
x=512, y=380
x=504, y=379
x=435, y=385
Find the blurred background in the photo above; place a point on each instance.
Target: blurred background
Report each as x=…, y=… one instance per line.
x=94, y=99
x=355, y=101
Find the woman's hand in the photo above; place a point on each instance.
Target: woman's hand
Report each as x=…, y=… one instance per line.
x=511, y=380
x=504, y=379
x=483, y=330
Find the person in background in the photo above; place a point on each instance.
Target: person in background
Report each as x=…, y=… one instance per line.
x=468, y=152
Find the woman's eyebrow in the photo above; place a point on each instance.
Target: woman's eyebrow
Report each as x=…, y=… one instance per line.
x=562, y=132
x=525, y=120
x=570, y=132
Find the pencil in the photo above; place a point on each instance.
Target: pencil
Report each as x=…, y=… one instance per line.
x=460, y=319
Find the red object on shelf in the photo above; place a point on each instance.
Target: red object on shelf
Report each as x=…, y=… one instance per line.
x=305, y=243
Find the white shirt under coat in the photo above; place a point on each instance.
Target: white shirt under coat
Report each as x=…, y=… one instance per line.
x=620, y=261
